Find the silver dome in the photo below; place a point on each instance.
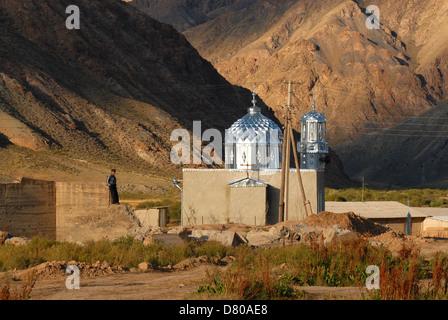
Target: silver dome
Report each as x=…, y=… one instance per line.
x=253, y=142
x=313, y=115
x=254, y=128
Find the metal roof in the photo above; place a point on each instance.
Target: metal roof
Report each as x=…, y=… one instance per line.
x=313, y=116
x=248, y=182
x=442, y=218
x=254, y=128
x=374, y=209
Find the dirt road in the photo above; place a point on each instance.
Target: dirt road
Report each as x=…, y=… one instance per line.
x=152, y=285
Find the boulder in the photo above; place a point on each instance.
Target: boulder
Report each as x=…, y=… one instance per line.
x=179, y=231
x=17, y=241
x=335, y=234
x=166, y=238
x=227, y=238
x=304, y=233
x=144, y=266
x=258, y=237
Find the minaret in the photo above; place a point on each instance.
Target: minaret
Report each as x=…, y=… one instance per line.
x=313, y=148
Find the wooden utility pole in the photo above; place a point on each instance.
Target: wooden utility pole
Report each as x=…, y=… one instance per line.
x=306, y=203
x=288, y=139
x=285, y=158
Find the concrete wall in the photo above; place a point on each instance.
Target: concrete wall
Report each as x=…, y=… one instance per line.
x=28, y=208
x=83, y=214
x=206, y=195
x=433, y=227
x=400, y=224
x=152, y=217
x=248, y=205
x=75, y=212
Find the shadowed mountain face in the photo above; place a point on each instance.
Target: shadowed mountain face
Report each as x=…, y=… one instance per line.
x=186, y=14
x=109, y=94
x=364, y=80
x=112, y=91
x=360, y=77
x=411, y=154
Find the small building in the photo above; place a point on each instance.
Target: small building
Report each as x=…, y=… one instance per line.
x=248, y=189
x=424, y=221
x=435, y=226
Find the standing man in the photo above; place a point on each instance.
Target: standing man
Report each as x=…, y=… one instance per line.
x=112, y=184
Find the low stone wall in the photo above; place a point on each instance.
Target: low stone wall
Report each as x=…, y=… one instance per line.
x=83, y=214
x=63, y=211
x=435, y=227
x=28, y=208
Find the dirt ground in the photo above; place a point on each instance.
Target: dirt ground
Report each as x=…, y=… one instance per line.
x=104, y=282
x=153, y=285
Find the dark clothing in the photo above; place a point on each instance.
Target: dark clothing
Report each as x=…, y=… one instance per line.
x=114, y=194
x=112, y=183
x=111, y=180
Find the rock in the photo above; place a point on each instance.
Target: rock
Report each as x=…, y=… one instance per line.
x=105, y=265
x=259, y=237
x=227, y=238
x=304, y=233
x=17, y=241
x=335, y=233
x=191, y=262
x=72, y=263
x=169, y=239
x=182, y=232
x=148, y=241
x=144, y=266
x=227, y=260
x=281, y=232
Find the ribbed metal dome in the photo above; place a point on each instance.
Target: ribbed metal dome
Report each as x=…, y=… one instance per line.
x=254, y=128
x=254, y=141
x=313, y=115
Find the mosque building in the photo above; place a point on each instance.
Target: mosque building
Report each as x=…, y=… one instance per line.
x=247, y=190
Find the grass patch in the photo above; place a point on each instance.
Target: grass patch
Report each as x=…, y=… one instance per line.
x=417, y=197
x=126, y=252
x=262, y=273
x=257, y=275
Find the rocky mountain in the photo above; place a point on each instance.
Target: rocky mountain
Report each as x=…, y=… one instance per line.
x=411, y=154
x=111, y=92
x=359, y=76
x=186, y=14
x=74, y=103
x=363, y=79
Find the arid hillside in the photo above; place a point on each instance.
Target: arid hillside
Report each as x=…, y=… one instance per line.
x=362, y=78
x=110, y=93
x=75, y=103
x=411, y=154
